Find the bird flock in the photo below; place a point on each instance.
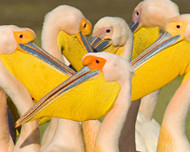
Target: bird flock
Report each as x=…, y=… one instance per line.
x=96, y=85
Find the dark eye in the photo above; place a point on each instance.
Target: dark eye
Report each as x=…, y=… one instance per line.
x=97, y=61
x=21, y=36
x=178, y=26
x=108, y=31
x=137, y=13
x=84, y=26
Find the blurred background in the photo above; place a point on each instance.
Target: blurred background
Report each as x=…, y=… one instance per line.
x=31, y=14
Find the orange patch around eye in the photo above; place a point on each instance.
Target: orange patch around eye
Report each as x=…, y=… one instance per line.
x=24, y=37
x=176, y=28
x=85, y=27
x=94, y=62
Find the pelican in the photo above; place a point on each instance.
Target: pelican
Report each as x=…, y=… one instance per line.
x=172, y=134
x=116, y=30
x=148, y=15
x=63, y=36
x=110, y=129
x=29, y=137
x=148, y=18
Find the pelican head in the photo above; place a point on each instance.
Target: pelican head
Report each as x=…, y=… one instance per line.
x=179, y=25
x=153, y=13
x=68, y=19
x=61, y=34
x=12, y=35
x=112, y=28
x=22, y=39
x=107, y=62
x=118, y=32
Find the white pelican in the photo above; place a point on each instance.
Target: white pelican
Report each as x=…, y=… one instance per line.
x=29, y=136
x=148, y=16
x=110, y=129
x=58, y=38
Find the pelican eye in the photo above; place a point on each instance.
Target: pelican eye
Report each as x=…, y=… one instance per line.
x=84, y=26
x=178, y=26
x=97, y=61
x=108, y=31
x=137, y=13
x=21, y=36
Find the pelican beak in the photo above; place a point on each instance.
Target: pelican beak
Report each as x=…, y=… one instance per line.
x=99, y=44
x=85, y=29
x=134, y=26
x=84, y=41
x=82, y=75
x=25, y=44
x=161, y=43
x=33, y=49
